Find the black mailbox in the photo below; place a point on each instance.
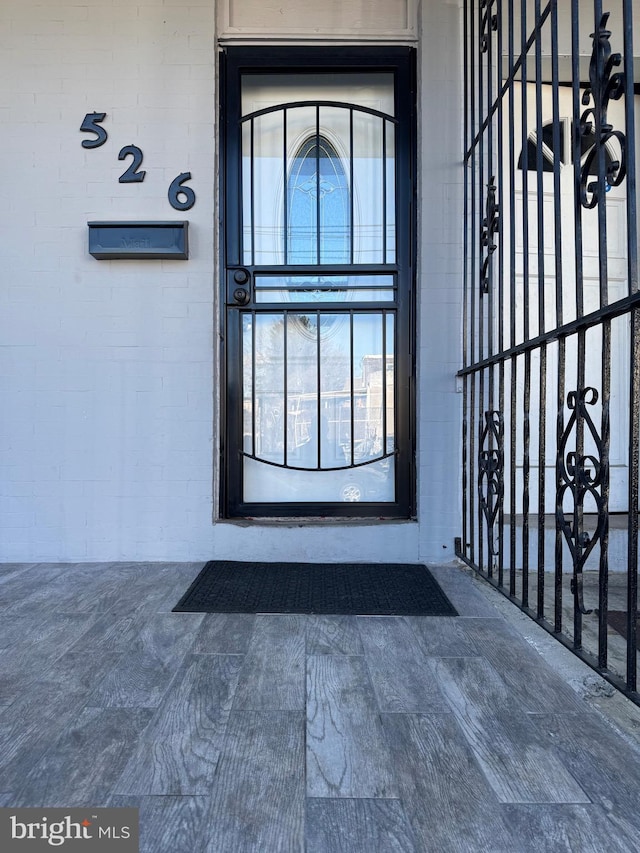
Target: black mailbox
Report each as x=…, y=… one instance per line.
x=118, y=240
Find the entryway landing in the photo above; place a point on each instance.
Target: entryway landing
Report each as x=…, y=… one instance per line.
x=235, y=732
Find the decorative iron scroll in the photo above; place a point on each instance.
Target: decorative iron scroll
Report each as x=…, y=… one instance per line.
x=582, y=476
x=604, y=87
x=491, y=475
x=489, y=24
x=490, y=226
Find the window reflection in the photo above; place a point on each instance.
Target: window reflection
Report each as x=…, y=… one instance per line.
x=323, y=389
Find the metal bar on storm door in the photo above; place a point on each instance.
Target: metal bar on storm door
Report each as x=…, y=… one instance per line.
x=286, y=387
x=384, y=382
x=253, y=384
x=285, y=197
x=318, y=392
x=318, y=259
x=351, y=188
x=352, y=407
x=384, y=191
x=252, y=194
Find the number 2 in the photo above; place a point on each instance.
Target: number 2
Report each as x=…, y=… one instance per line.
x=131, y=175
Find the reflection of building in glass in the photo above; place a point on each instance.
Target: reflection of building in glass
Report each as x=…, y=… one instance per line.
x=336, y=428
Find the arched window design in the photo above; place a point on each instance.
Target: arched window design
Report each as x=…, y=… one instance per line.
x=564, y=153
x=318, y=192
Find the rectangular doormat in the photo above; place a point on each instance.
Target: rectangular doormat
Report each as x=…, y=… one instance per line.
x=365, y=589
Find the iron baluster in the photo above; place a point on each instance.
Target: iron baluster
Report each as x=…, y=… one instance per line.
x=490, y=227
x=491, y=477
x=582, y=475
x=489, y=24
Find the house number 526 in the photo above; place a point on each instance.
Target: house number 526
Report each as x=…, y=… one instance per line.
x=181, y=197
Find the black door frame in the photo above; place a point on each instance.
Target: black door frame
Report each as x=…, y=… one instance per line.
x=235, y=61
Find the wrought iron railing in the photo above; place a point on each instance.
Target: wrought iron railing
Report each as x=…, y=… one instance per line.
x=551, y=352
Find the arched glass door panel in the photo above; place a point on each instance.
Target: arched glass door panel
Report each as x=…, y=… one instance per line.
x=323, y=162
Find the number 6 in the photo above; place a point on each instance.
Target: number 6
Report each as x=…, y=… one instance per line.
x=177, y=189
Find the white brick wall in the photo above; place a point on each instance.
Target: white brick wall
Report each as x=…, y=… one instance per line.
x=108, y=382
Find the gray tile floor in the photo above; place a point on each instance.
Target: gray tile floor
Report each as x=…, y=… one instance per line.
x=294, y=733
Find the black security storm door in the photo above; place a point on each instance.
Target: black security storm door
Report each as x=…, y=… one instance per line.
x=318, y=226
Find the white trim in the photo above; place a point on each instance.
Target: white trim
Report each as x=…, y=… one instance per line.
x=277, y=33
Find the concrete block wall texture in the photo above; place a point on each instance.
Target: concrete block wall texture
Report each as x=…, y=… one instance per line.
x=109, y=369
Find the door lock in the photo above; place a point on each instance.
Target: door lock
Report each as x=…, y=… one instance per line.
x=241, y=296
x=239, y=286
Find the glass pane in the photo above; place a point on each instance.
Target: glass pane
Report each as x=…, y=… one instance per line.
x=269, y=384
x=328, y=173
x=369, y=369
x=332, y=403
x=302, y=388
x=390, y=438
x=336, y=374
x=374, y=91
x=304, y=199
x=268, y=187
x=265, y=483
x=335, y=191
x=368, y=182
x=317, y=191
x=335, y=390
x=247, y=193
x=390, y=177
x=322, y=289
x=323, y=296
x=247, y=383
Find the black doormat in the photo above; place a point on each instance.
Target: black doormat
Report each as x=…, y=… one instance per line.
x=617, y=619
x=366, y=589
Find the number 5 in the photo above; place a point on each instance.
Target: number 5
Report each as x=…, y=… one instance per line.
x=90, y=124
